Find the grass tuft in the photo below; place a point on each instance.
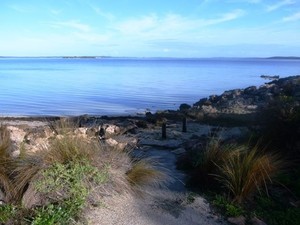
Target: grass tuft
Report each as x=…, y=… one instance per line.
x=247, y=171
x=145, y=173
x=206, y=161
x=5, y=164
x=55, y=184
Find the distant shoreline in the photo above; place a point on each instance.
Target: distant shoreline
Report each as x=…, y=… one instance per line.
x=132, y=57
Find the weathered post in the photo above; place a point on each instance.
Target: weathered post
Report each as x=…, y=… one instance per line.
x=164, y=131
x=101, y=132
x=184, y=125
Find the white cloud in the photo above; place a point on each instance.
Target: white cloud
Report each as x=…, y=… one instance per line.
x=254, y=1
x=100, y=12
x=170, y=25
x=294, y=17
x=73, y=24
x=279, y=5
x=55, y=11
x=245, y=1
x=21, y=8
x=226, y=17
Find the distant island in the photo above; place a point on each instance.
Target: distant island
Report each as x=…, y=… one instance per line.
x=79, y=57
x=284, y=57
x=126, y=57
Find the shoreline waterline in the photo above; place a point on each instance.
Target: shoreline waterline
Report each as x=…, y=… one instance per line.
x=121, y=86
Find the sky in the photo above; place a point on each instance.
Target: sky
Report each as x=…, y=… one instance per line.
x=150, y=28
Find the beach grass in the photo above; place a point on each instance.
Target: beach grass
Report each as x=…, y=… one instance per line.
x=55, y=184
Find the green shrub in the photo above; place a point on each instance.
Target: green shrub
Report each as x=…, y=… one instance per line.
x=229, y=208
x=65, y=177
x=6, y=213
x=67, y=186
x=276, y=213
x=281, y=122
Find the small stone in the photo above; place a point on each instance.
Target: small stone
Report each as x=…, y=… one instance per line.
x=15, y=153
x=112, y=129
x=111, y=142
x=81, y=131
x=240, y=220
x=2, y=196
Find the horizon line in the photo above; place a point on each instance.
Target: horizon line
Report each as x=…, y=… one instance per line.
x=154, y=57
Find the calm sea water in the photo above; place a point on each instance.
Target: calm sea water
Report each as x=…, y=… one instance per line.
x=118, y=86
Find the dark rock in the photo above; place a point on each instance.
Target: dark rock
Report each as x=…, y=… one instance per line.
x=250, y=90
x=214, y=98
x=200, y=102
x=150, y=118
x=141, y=124
x=270, y=77
x=184, y=107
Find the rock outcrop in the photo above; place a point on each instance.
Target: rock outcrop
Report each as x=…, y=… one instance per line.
x=248, y=100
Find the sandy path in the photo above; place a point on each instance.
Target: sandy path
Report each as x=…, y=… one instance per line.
x=160, y=206
x=164, y=208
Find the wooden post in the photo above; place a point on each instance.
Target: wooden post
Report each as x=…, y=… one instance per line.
x=184, y=124
x=164, y=131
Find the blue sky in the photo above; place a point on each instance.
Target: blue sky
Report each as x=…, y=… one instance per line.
x=163, y=28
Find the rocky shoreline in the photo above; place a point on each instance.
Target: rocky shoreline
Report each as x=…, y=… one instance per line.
x=145, y=133
x=146, y=130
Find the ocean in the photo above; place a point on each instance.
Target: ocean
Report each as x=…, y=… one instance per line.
x=124, y=86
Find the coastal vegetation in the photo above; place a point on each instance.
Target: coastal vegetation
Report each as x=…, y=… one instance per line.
x=57, y=183
x=240, y=150
x=256, y=175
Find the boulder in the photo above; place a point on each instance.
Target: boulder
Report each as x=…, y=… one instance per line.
x=184, y=107
x=250, y=90
x=111, y=129
x=111, y=142
x=32, y=198
x=200, y=102
x=121, y=142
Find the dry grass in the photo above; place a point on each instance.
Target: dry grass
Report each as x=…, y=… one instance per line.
x=5, y=164
x=206, y=162
x=62, y=126
x=213, y=154
x=78, y=171
x=68, y=148
x=144, y=173
x=5, y=143
x=26, y=168
x=247, y=171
